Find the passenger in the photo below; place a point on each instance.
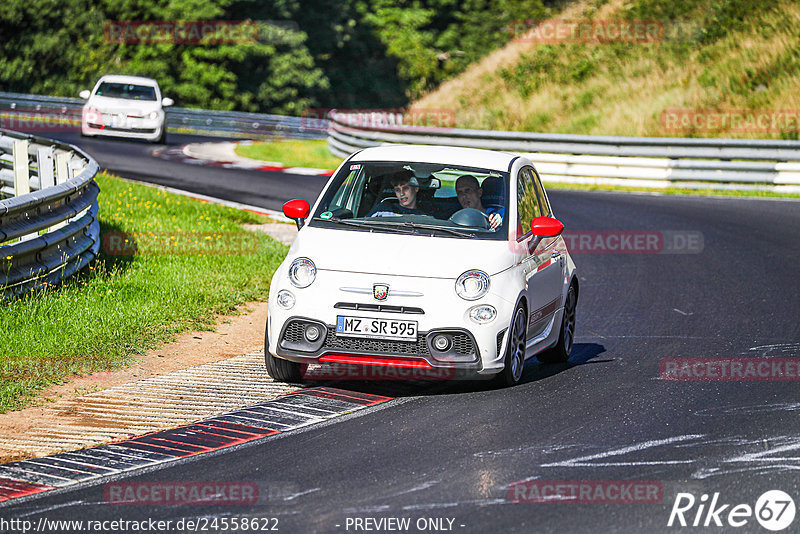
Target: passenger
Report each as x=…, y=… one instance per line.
x=406, y=188
x=469, y=196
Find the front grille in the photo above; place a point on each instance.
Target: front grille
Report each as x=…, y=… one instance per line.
x=385, y=308
x=132, y=130
x=372, y=346
x=294, y=332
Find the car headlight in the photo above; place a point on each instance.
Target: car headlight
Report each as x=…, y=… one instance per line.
x=302, y=272
x=472, y=285
x=153, y=115
x=483, y=314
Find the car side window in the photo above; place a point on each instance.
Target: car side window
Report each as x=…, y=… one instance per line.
x=543, y=202
x=527, y=201
x=344, y=194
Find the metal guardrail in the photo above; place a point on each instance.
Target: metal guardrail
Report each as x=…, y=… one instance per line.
x=203, y=121
x=48, y=212
x=634, y=161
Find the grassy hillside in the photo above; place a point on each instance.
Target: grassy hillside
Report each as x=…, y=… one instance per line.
x=728, y=57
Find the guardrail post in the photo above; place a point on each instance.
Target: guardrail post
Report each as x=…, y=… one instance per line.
x=22, y=184
x=47, y=169
x=75, y=167
x=47, y=174
x=62, y=168
x=61, y=175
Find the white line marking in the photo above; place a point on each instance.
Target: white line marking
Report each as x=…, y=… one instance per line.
x=583, y=461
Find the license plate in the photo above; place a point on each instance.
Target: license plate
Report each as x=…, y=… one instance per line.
x=119, y=121
x=376, y=328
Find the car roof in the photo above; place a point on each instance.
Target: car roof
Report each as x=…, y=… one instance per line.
x=467, y=157
x=136, y=80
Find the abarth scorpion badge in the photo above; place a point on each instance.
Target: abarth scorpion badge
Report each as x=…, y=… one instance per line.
x=380, y=291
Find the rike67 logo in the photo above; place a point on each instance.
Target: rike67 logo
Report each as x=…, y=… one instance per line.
x=774, y=510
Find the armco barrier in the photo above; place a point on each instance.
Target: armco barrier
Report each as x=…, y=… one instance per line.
x=633, y=161
x=48, y=212
x=29, y=108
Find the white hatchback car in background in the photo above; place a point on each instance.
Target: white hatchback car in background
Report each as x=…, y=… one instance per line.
x=125, y=106
x=393, y=270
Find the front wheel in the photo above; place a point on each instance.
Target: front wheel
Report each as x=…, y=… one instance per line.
x=279, y=369
x=515, y=351
x=560, y=352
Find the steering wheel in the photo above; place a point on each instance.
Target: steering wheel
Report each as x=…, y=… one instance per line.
x=471, y=217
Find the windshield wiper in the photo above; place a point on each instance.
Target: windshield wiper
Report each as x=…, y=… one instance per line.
x=419, y=226
x=383, y=225
x=451, y=231
x=390, y=225
x=337, y=220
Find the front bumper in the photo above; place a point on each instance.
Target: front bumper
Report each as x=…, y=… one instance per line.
x=432, y=303
x=135, y=127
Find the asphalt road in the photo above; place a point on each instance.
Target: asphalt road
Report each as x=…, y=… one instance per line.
x=450, y=451
x=132, y=159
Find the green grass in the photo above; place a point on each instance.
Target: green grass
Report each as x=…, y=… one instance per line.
x=292, y=153
x=710, y=191
x=123, y=305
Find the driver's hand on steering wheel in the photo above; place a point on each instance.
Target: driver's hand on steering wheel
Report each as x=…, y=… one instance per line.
x=495, y=220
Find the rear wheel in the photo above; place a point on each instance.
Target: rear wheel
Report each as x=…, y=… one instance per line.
x=279, y=369
x=515, y=351
x=560, y=352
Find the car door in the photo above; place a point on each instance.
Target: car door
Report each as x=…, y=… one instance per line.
x=543, y=261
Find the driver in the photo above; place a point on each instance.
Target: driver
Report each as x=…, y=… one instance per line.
x=405, y=187
x=469, y=196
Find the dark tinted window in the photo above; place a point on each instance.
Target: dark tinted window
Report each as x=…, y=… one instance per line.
x=127, y=91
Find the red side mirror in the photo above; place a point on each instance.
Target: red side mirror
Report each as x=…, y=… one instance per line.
x=297, y=209
x=546, y=227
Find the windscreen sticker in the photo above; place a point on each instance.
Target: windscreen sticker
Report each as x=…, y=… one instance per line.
x=326, y=215
x=355, y=167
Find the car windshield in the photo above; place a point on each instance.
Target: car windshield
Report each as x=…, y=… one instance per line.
x=416, y=198
x=127, y=91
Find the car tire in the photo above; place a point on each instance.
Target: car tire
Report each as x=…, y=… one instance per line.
x=515, y=349
x=279, y=369
x=566, y=336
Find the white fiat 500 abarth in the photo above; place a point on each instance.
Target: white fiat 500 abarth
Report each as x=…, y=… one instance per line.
x=424, y=257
